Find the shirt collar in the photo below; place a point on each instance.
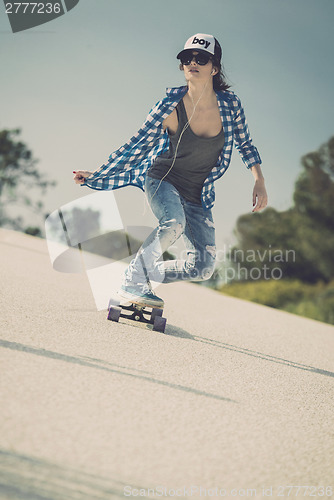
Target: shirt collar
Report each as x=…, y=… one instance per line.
x=179, y=92
x=176, y=91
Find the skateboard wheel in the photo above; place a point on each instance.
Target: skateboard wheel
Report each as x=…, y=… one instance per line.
x=156, y=313
x=114, y=313
x=159, y=324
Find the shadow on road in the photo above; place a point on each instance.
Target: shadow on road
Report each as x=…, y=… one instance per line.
x=28, y=478
x=104, y=365
x=179, y=332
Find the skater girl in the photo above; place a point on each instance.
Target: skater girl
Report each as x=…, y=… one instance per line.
x=183, y=147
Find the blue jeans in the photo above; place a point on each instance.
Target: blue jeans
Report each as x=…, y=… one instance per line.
x=176, y=217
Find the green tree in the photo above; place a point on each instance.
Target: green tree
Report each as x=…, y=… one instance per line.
x=314, y=189
x=306, y=229
x=18, y=176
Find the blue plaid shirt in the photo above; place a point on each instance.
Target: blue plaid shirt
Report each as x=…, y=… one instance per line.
x=128, y=165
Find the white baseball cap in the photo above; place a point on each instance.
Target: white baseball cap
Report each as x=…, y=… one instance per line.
x=202, y=43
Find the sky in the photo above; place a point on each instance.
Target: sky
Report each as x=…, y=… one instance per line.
x=80, y=86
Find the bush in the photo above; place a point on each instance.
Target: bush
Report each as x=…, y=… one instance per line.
x=312, y=301
x=33, y=231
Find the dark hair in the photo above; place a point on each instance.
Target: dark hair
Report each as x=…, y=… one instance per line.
x=219, y=80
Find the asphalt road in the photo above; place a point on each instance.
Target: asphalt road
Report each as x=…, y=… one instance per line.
x=235, y=400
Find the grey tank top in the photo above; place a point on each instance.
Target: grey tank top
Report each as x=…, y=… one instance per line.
x=196, y=157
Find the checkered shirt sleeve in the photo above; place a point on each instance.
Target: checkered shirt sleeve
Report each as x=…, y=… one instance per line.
x=127, y=165
x=243, y=142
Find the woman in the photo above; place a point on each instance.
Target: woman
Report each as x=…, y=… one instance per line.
x=184, y=145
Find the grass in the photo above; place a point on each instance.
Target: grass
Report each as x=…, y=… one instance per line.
x=312, y=301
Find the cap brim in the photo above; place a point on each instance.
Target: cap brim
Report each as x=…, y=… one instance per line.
x=184, y=51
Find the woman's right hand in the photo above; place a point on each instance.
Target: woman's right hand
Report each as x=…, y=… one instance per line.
x=80, y=176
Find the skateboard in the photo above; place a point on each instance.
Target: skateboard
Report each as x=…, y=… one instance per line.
x=137, y=312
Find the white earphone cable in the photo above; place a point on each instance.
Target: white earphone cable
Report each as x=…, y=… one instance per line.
x=179, y=140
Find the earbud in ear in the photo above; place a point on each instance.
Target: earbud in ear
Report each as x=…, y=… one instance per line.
x=213, y=72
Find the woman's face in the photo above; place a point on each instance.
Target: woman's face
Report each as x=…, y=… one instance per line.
x=194, y=72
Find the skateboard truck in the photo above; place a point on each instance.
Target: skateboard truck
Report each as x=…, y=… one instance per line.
x=137, y=312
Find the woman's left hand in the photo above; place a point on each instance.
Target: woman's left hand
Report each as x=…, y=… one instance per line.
x=260, y=197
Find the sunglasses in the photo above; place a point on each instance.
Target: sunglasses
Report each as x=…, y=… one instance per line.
x=200, y=59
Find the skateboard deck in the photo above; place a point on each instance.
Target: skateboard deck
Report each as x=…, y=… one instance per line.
x=136, y=312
